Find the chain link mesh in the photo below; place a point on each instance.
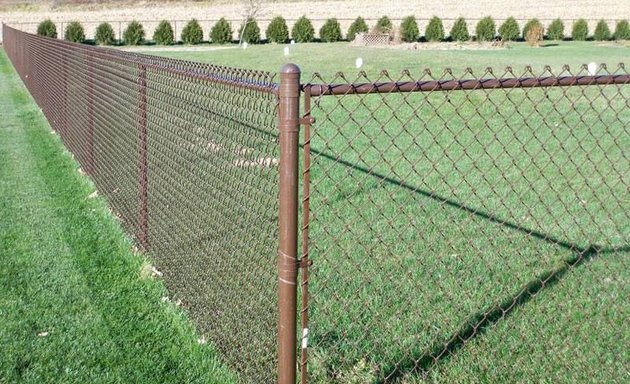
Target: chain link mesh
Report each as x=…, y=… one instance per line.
x=441, y=205
x=186, y=155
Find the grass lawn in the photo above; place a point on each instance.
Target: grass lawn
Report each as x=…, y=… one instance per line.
x=328, y=59
x=76, y=304
x=424, y=236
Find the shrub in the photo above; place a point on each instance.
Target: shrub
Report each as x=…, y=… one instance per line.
x=357, y=26
x=383, y=25
x=164, y=34
x=435, y=30
x=486, y=29
x=133, y=34
x=192, y=33
x=74, y=32
x=251, y=32
x=622, y=30
x=509, y=30
x=459, y=32
x=409, y=31
x=104, y=34
x=330, y=31
x=277, y=31
x=535, y=35
x=47, y=28
x=303, y=30
x=579, y=30
x=221, y=32
x=533, y=23
x=556, y=30
x=602, y=32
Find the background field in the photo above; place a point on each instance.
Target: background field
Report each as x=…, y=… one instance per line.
x=328, y=59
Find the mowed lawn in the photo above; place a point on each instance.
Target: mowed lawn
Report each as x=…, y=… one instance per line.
x=328, y=59
x=465, y=216
x=77, y=305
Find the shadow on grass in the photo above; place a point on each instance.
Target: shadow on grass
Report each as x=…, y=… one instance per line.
x=481, y=322
x=453, y=203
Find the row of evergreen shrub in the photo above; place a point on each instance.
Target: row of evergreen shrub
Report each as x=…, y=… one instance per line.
x=303, y=31
x=486, y=30
x=134, y=34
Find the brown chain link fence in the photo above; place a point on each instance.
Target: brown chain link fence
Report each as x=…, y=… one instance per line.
x=452, y=228
x=186, y=155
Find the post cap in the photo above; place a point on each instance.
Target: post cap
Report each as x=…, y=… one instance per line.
x=290, y=69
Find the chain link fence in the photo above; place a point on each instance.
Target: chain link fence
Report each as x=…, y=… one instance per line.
x=442, y=205
x=452, y=228
x=186, y=155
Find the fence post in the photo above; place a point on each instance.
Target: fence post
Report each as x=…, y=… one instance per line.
x=142, y=154
x=289, y=110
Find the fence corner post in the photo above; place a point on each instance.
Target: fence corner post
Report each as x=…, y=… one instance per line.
x=289, y=110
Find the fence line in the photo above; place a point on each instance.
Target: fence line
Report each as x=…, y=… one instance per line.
x=186, y=156
x=432, y=208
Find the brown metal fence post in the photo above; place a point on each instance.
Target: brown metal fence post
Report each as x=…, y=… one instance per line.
x=288, y=225
x=143, y=177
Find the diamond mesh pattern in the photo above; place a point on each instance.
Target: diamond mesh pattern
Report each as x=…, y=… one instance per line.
x=440, y=205
x=186, y=155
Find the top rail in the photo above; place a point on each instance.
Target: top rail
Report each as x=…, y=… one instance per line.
x=452, y=85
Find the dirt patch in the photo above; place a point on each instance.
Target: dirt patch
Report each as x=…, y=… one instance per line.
x=446, y=46
x=614, y=44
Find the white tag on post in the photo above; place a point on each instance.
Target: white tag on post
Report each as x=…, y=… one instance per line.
x=305, y=338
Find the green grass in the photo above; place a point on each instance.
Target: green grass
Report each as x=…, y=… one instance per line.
x=424, y=236
x=575, y=331
x=77, y=305
x=330, y=58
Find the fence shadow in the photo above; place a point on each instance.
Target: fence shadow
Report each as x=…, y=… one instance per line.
x=482, y=321
x=454, y=204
